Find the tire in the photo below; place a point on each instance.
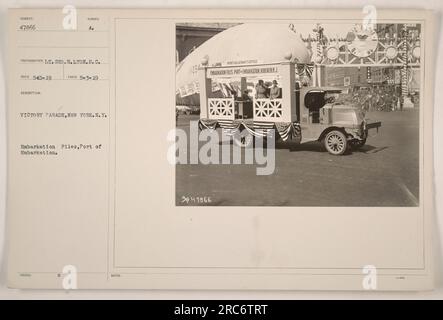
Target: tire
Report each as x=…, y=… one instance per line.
x=244, y=142
x=336, y=143
x=358, y=144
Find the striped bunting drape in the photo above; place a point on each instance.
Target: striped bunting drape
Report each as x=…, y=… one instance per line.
x=288, y=130
x=256, y=128
x=207, y=124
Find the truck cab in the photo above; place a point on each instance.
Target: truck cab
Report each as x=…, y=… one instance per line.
x=329, y=115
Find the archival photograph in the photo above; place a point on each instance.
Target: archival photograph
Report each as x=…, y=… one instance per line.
x=298, y=114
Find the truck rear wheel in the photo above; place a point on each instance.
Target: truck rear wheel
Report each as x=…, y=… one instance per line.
x=336, y=142
x=244, y=140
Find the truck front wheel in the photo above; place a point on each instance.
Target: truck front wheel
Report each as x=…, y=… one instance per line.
x=336, y=142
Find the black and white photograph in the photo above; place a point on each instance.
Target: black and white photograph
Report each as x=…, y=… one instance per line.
x=298, y=114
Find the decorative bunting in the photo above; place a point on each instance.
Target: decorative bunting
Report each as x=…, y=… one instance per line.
x=286, y=130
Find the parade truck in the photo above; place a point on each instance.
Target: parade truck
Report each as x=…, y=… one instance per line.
x=301, y=114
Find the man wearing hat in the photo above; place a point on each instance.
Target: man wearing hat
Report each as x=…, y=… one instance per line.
x=261, y=90
x=275, y=91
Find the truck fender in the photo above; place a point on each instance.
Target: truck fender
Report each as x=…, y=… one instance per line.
x=329, y=129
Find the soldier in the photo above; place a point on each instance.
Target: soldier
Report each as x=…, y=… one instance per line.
x=275, y=91
x=261, y=90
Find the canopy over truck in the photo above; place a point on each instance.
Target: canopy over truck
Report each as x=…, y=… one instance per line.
x=249, y=43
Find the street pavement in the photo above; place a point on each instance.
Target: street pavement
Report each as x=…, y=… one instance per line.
x=385, y=172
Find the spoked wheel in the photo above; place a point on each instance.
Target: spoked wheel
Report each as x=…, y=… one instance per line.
x=243, y=140
x=336, y=142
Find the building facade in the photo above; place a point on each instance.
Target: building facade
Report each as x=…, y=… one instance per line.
x=191, y=35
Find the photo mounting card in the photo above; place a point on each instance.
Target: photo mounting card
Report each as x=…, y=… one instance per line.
x=220, y=149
